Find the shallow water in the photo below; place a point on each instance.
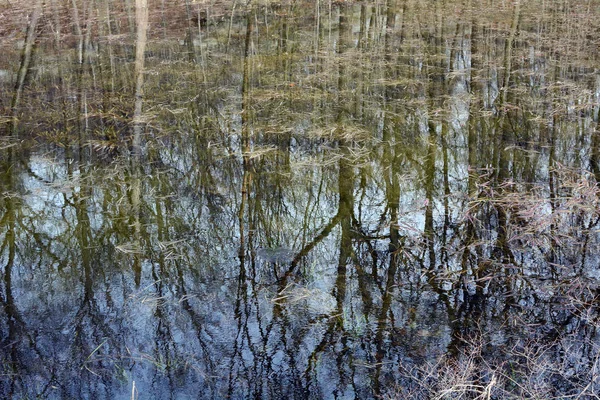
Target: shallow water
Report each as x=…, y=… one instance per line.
x=305, y=200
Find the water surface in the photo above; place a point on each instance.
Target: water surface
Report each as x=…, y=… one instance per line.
x=299, y=200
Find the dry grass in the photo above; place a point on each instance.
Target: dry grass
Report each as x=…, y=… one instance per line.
x=525, y=369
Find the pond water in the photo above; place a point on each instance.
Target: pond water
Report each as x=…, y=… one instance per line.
x=299, y=200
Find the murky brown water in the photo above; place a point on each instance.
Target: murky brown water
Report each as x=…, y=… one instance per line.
x=299, y=200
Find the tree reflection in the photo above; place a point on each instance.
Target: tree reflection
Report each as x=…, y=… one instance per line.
x=325, y=200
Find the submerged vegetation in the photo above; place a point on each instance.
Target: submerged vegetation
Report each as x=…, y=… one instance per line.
x=300, y=199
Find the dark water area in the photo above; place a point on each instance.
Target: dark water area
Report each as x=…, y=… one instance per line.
x=299, y=200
